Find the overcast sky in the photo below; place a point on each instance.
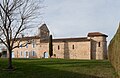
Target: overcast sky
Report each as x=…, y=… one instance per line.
x=75, y=18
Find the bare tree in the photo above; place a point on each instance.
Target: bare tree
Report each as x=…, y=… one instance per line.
x=15, y=17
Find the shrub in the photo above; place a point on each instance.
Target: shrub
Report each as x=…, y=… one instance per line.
x=0, y=54
x=114, y=51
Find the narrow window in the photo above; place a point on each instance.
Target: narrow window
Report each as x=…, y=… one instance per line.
x=21, y=53
x=58, y=47
x=33, y=53
x=98, y=44
x=73, y=47
x=33, y=44
x=26, y=53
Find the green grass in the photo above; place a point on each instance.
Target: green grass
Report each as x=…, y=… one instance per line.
x=57, y=68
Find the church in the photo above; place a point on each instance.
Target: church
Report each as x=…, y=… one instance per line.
x=93, y=46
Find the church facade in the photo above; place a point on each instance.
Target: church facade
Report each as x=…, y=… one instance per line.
x=94, y=46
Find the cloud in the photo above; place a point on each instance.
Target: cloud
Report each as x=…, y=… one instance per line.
x=70, y=18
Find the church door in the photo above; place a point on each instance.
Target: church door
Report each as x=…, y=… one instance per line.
x=46, y=54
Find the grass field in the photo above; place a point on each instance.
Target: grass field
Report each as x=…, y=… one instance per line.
x=57, y=68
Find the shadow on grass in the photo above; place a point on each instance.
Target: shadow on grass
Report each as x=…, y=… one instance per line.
x=42, y=72
x=34, y=70
x=55, y=73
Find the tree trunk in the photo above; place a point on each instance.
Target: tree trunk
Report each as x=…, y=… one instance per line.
x=10, y=60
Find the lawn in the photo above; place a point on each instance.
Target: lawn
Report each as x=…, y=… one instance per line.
x=57, y=68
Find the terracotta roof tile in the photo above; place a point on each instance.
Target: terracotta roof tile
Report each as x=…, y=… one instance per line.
x=68, y=40
x=28, y=38
x=92, y=34
x=71, y=39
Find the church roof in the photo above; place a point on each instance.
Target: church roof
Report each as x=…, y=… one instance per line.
x=71, y=39
x=28, y=38
x=92, y=34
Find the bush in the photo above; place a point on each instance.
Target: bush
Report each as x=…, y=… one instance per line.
x=0, y=54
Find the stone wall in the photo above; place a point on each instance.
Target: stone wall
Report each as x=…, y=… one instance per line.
x=72, y=50
x=43, y=48
x=93, y=47
x=58, y=49
x=28, y=51
x=99, y=47
x=114, y=51
x=65, y=49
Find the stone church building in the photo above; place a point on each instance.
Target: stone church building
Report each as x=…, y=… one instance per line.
x=94, y=46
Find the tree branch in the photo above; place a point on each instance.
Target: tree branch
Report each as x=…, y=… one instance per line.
x=4, y=42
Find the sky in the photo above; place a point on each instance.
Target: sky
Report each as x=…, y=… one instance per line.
x=76, y=18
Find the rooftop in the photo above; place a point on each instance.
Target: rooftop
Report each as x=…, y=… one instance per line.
x=28, y=38
x=92, y=34
x=71, y=39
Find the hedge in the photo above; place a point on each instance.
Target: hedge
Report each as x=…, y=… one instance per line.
x=114, y=51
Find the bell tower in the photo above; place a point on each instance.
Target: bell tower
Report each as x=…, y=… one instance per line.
x=44, y=32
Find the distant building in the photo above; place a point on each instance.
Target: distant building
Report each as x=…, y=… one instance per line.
x=3, y=51
x=94, y=46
